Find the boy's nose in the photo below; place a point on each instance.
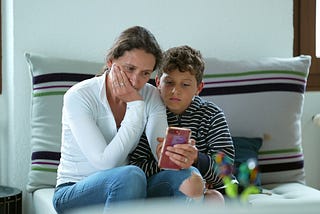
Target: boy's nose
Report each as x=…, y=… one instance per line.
x=174, y=90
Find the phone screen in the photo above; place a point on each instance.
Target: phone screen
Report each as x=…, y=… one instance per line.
x=175, y=135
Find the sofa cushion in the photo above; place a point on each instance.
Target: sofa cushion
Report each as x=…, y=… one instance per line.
x=286, y=194
x=42, y=200
x=51, y=78
x=245, y=149
x=261, y=98
x=280, y=198
x=264, y=98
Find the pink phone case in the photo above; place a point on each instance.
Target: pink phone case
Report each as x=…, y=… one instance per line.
x=174, y=135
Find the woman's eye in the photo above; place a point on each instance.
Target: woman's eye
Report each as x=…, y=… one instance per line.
x=147, y=74
x=128, y=68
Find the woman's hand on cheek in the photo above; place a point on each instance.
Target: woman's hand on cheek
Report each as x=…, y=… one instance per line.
x=121, y=85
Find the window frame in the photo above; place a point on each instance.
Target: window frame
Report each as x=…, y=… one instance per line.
x=305, y=38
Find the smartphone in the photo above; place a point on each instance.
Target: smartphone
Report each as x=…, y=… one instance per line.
x=174, y=135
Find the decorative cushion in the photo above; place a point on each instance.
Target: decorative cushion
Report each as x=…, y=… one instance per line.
x=51, y=78
x=245, y=149
x=264, y=98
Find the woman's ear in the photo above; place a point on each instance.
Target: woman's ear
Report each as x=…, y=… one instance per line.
x=109, y=63
x=200, y=87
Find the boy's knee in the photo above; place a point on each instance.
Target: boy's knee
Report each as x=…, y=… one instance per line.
x=193, y=186
x=214, y=196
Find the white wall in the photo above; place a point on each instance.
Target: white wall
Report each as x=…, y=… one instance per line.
x=81, y=29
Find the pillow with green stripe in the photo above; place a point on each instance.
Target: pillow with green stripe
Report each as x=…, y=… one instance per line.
x=51, y=78
x=264, y=98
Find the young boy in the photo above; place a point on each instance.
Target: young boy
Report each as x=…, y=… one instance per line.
x=180, y=80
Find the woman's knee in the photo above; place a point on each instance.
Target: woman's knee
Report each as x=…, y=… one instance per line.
x=134, y=174
x=134, y=182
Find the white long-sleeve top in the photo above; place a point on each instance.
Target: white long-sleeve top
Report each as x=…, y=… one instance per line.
x=90, y=139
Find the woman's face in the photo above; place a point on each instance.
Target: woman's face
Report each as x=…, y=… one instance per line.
x=138, y=66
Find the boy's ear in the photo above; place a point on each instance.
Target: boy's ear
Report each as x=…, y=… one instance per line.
x=157, y=79
x=200, y=87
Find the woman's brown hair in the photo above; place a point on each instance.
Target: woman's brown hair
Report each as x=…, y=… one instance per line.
x=136, y=37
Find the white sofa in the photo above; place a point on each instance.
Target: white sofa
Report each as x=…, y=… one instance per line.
x=290, y=198
x=261, y=98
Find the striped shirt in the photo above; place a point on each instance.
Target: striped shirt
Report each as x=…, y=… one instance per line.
x=211, y=132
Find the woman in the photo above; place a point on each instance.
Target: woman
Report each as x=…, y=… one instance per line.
x=103, y=119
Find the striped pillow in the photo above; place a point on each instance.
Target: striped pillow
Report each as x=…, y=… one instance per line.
x=51, y=78
x=264, y=98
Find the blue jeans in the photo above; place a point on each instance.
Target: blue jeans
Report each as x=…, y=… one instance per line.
x=166, y=183
x=105, y=187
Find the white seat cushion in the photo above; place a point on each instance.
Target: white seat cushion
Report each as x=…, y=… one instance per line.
x=42, y=201
x=293, y=193
x=281, y=194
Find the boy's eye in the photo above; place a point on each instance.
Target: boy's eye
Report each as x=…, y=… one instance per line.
x=186, y=84
x=168, y=82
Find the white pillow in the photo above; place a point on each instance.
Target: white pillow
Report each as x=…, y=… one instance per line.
x=264, y=98
x=51, y=78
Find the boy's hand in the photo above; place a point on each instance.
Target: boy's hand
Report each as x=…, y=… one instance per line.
x=159, y=146
x=184, y=155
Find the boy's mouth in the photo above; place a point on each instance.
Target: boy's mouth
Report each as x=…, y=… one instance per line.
x=175, y=99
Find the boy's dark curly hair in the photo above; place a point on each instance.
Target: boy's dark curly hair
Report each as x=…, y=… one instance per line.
x=185, y=59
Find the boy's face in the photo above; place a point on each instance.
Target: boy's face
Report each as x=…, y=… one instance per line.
x=177, y=90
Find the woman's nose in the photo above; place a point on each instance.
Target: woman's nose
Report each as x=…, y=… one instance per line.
x=134, y=79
